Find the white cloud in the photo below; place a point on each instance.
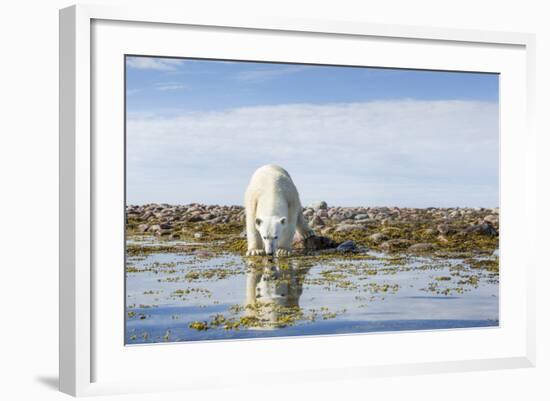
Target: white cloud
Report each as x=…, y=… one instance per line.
x=170, y=86
x=406, y=153
x=153, y=63
x=258, y=76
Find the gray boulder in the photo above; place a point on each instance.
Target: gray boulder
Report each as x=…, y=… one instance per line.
x=395, y=244
x=378, y=237
x=316, y=243
x=347, y=246
x=349, y=227
x=318, y=205
x=317, y=222
x=421, y=247
x=483, y=229
x=491, y=219
x=362, y=216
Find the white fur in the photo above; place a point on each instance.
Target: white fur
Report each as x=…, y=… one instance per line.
x=273, y=212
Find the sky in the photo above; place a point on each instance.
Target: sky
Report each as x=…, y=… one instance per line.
x=352, y=136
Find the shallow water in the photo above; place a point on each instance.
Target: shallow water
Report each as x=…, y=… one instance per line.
x=168, y=292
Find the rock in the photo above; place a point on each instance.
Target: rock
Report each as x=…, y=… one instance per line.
x=317, y=222
x=197, y=235
x=394, y=245
x=194, y=209
x=316, y=243
x=162, y=232
x=154, y=228
x=208, y=216
x=483, y=229
x=195, y=218
x=365, y=222
x=444, y=229
x=362, y=216
x=142, y=228
x=349, y=227
x=349, y=214
x=338, y=217
x=347, y=246
x=454, y=214
x=492, y=219
x=421, y=247
x=165, y=226
x=318, y=205
x=321, y=213
x=203, y=253
x=167, y=212
x=147, y=215
x=392, y=231
x=442, y=238
x=429, y=232
x=378, y=237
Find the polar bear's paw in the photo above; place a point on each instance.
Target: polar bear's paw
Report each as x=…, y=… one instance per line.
x=282, y=253
x=255, y=252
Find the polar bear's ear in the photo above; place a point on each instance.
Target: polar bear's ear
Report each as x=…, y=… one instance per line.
x=283, y=220
x=258, y=222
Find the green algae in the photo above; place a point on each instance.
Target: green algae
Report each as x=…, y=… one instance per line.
x=183, y=293
x=491, y=265
x=265, y=315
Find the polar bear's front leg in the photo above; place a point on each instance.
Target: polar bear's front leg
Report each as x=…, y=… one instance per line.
x=255, y=243
x=255, y=252
x=284, y=247
x=282, y=253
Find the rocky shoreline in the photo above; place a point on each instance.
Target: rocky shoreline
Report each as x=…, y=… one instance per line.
x=346, y=229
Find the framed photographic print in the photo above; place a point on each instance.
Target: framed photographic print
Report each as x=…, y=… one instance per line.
x=295, y=255
x=350, y=197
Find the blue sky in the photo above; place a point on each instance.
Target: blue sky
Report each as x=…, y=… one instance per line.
x=198, y=129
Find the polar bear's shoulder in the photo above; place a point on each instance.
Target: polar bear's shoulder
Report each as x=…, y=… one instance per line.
x=270, y=181
x=272, y=169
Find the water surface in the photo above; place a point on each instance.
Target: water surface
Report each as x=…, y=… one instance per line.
x=197, y=295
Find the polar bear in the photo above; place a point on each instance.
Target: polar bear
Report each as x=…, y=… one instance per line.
x=273, y=213
x=273, y=291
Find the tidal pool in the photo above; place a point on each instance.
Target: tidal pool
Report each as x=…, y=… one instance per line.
x=190, y=295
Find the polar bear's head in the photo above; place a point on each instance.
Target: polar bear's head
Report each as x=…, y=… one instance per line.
x=270, y=229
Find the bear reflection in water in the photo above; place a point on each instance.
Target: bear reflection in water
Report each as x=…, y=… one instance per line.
x=273, y=290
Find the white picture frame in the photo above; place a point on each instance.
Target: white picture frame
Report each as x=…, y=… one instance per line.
x=88, y=366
